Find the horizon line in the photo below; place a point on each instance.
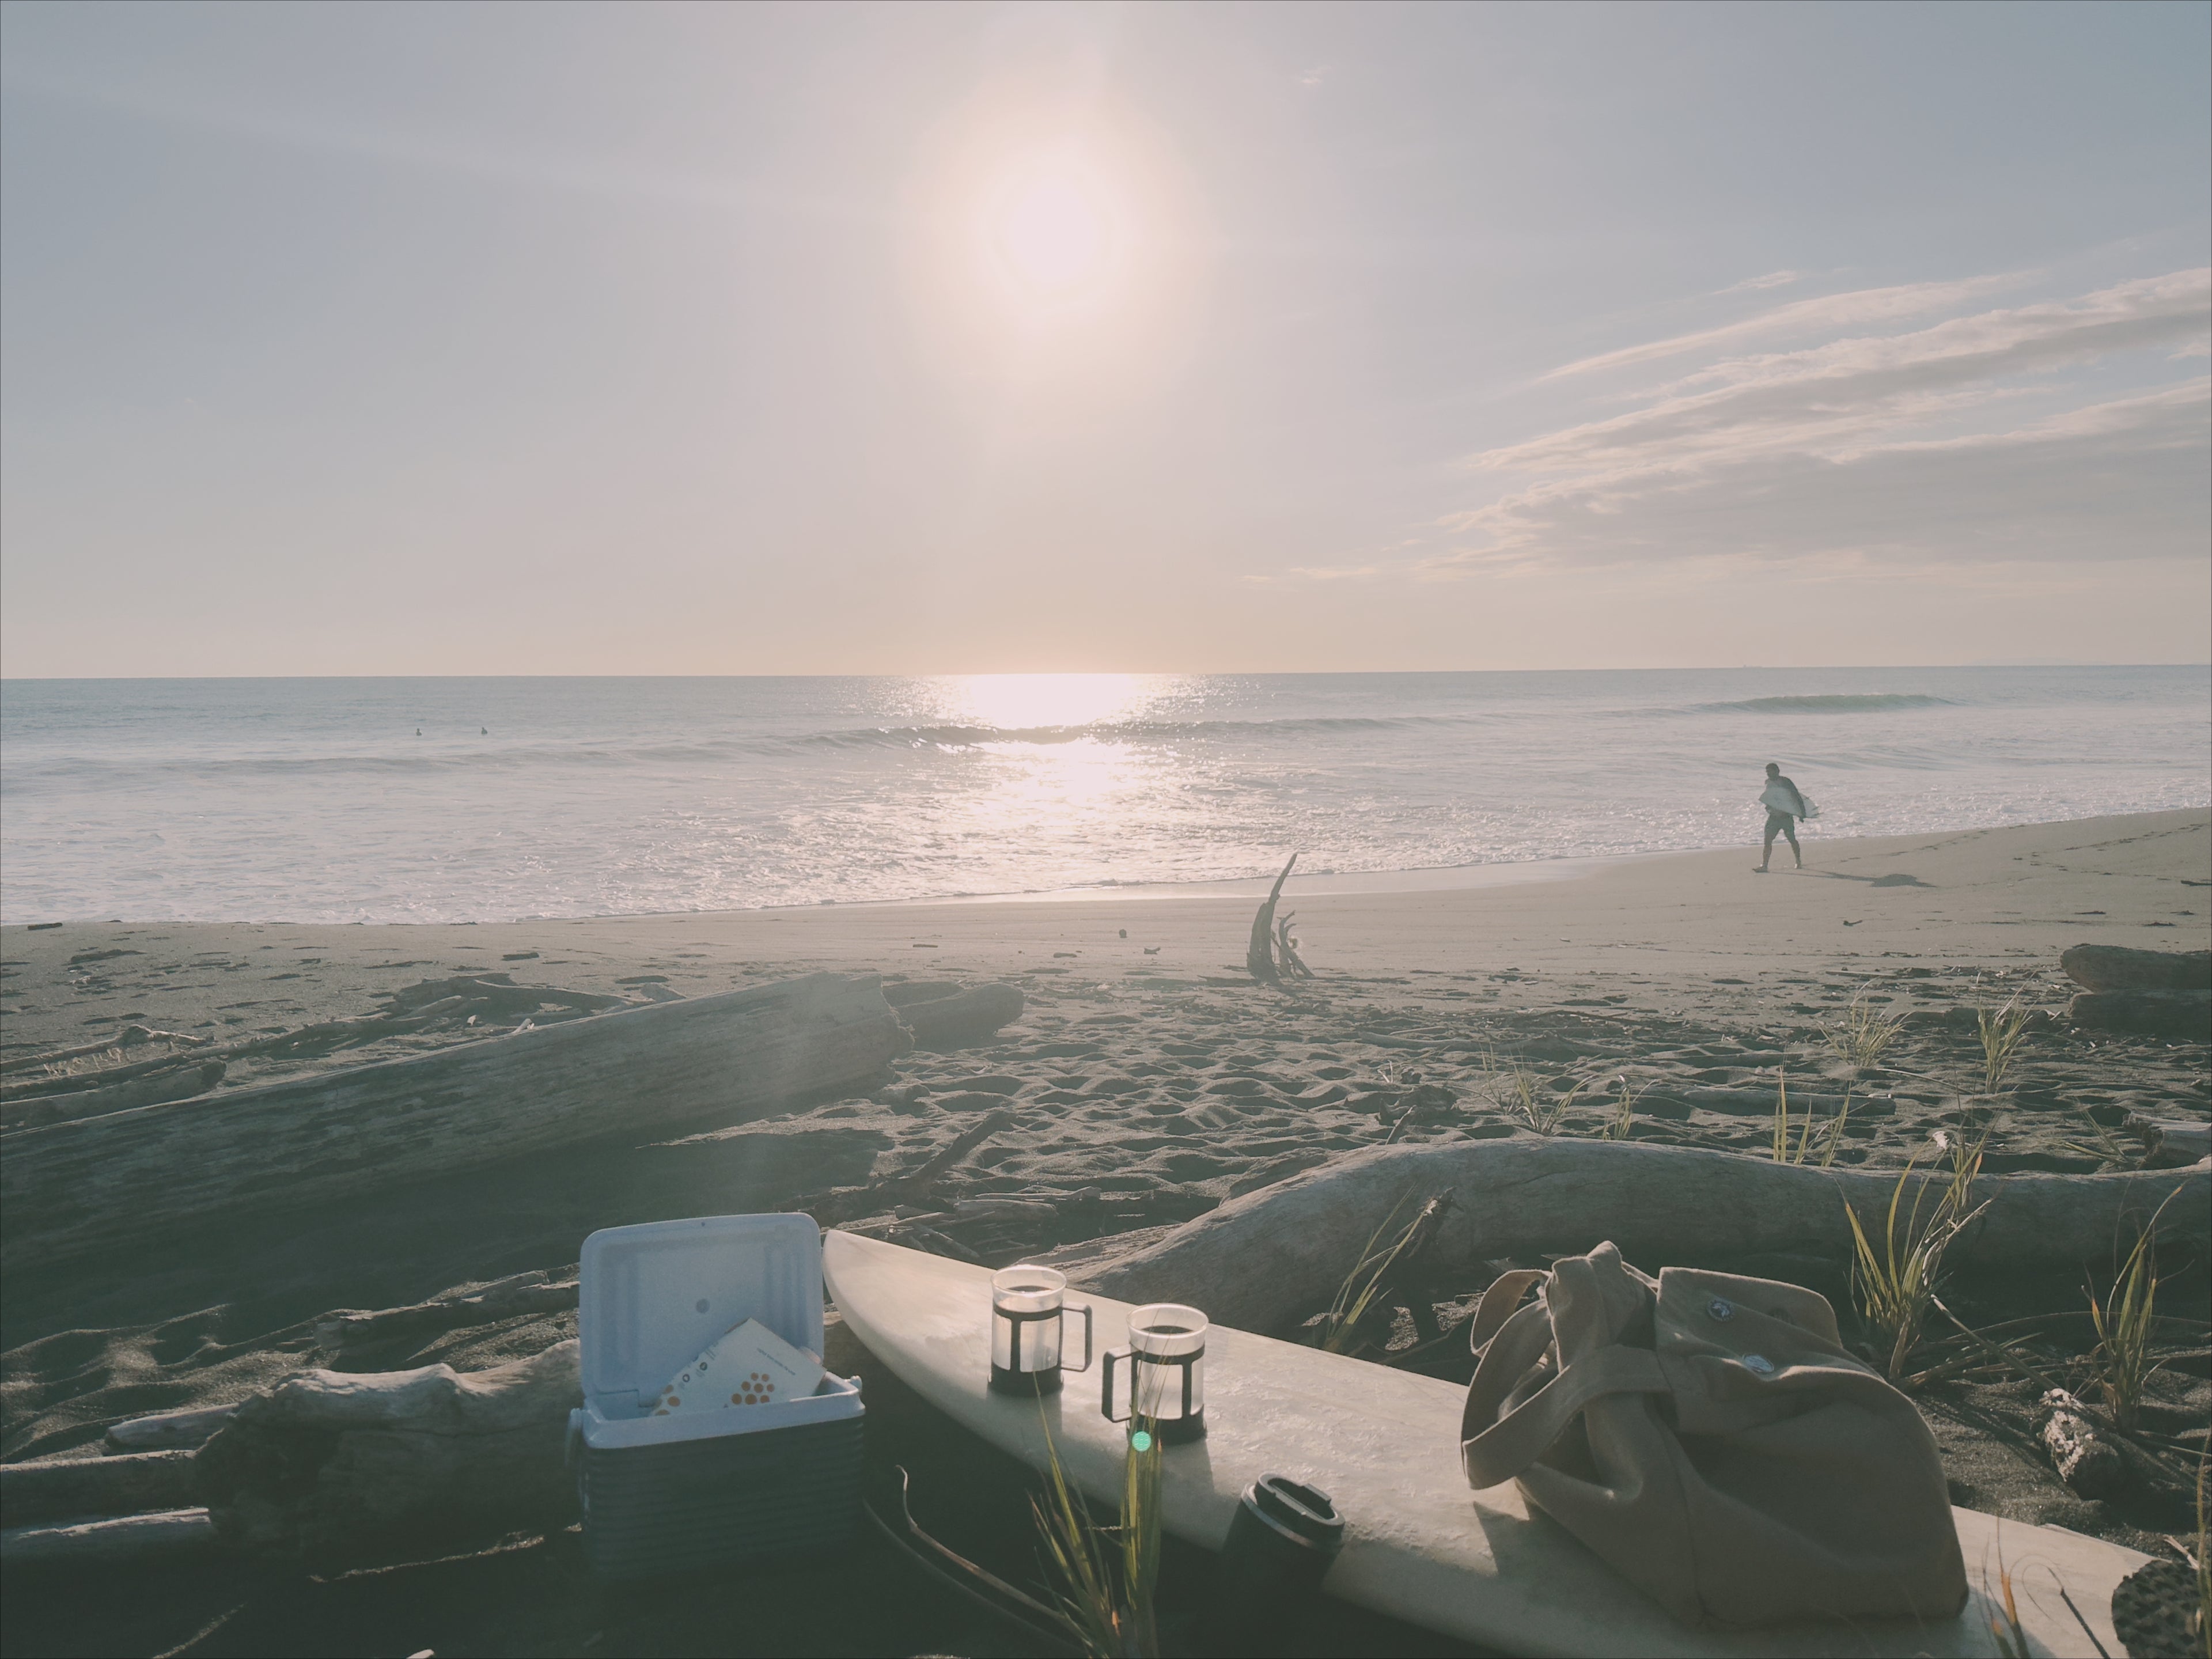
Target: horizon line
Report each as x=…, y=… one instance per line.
x=1028, y=673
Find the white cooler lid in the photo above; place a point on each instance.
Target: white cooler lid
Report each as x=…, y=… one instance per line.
x=650, y=1297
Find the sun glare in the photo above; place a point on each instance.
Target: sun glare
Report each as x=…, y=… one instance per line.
x=1053, y=255
x=1052, y=232
x=1018, y=702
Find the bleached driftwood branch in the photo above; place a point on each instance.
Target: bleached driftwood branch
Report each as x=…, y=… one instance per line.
x=329, y=1466
x=1264, y=1260
x=535, y=1293
x=1259, y=954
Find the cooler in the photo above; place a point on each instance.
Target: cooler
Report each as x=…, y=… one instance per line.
x=716, y=1488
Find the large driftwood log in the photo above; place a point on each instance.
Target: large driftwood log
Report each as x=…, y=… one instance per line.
x=2183, y=1014
x=962, y=1016
x=330, y=1467
x=104, y=1076
x=130, y=1036
x=77, y=1188
x=2172, y=1144
x=1265, y=1261
x=2118, y=967
x=188, y=1077
x=124, y=1540
x=73, y=1487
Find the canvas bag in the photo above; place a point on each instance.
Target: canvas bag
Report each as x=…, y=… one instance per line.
x=1709, y=1436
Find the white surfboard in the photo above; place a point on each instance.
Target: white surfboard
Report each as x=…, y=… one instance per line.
x=1775, y=798
x=1384, y=1445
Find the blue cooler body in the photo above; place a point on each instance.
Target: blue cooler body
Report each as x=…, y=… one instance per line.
x=716, y=1488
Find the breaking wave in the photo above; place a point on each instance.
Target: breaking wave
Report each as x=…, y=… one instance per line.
x=1847, y=704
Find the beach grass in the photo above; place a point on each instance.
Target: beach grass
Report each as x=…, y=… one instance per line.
x=1521, y=1092
x=2126, y=1321
x=1623, y=1121
x=1370, y=1277
x=1863, y=1033
x=1782, y=1150
x=1106, y=1578
x=2203, y=1562
x=2002, y=1031
x=1895, y=1286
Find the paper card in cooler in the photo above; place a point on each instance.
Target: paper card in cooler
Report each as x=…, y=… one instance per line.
x=748, y=1364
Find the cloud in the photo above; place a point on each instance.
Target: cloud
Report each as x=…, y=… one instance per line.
x=1914, y=446
x=1829, y=311
x=1830, y=395
x=1772, y=279
x=2124, y=478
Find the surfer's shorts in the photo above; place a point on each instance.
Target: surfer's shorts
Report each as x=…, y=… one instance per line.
x=1781, y=824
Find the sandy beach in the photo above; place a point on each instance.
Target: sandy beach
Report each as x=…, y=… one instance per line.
x=1676, y=972
x=1146, y=1081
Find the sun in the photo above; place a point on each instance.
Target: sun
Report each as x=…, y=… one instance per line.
x=1053, y=232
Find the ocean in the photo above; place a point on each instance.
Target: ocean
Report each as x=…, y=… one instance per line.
x=499, y=799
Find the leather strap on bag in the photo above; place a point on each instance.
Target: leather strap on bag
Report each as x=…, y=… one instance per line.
x=1494, y=1449
x=1526, y=1433
x=1499, y=1302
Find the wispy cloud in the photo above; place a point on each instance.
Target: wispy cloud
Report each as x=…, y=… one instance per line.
x=1772, y=279
x=2121, y=478
x=1828, y=312
x=1918, y=445
x=1849, y=388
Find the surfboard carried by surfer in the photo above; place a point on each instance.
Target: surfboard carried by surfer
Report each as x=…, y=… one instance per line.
x=1785, y=803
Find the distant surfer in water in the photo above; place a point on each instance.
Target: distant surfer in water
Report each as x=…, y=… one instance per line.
x=1784, y=805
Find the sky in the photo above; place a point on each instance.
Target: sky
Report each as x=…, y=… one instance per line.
x=583, y=339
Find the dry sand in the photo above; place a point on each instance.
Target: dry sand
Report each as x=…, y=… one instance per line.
x=1146, y=1080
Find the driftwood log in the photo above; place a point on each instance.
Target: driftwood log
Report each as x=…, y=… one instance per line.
x=181, y=1080
x=2117, y=967
x=71, y=1488
x=163, y=1431
x=2183, y=1014
x=332, y=1466
x=122, y=1541
x=1263, y=1262
x=104, y=1077
x=130, y=1036
x=2172, y=1145
x=944, y=1015
x=78, y=1188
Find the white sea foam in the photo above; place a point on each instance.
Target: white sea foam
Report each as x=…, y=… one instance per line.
x=314, y=800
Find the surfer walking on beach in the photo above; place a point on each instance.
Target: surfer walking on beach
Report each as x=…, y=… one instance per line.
x=1784, y=805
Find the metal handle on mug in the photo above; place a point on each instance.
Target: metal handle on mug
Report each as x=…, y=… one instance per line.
x=1106, y=1388
x=1083, y=1308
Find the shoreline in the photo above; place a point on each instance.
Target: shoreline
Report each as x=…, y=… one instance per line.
x=1664, y=929
x=1426, y=879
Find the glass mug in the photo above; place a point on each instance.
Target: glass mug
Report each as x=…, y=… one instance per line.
x=1028, y=1308
x=1166, y=1357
